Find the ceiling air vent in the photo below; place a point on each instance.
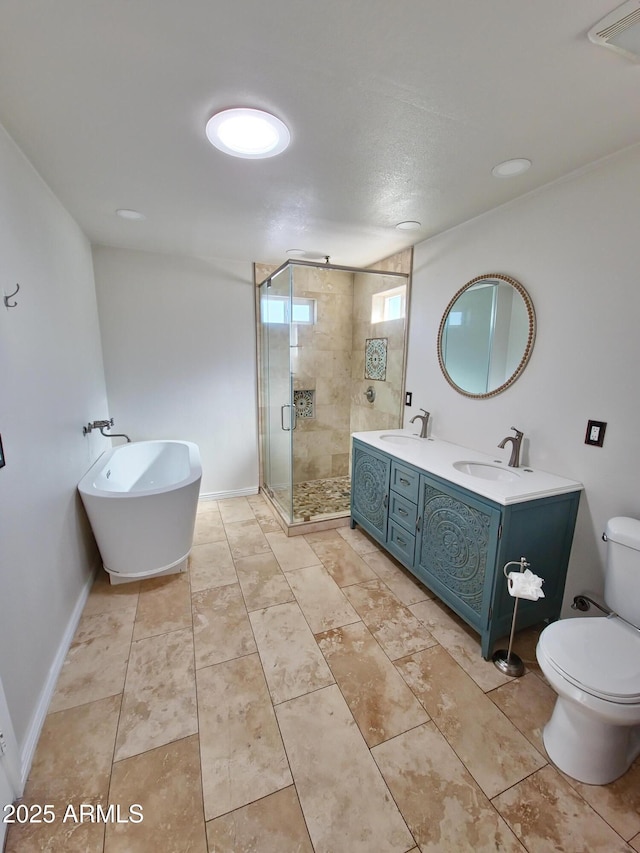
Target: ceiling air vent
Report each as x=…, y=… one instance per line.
x=620, y=30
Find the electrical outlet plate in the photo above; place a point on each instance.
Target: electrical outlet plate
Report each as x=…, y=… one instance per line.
x=595, y=433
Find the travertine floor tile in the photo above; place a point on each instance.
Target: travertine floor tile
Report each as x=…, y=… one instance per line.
x=377, y=695
x=401, y=582
x=292, y=552
x=618, y=802
x=166, y=782
x=246, y=538
x=635, y=842
x=164, y=605
x=572, y=824
x=242, y=755
x=358, y=539
x=211, y=565
x=264, y=514
x=321, y=599
x=528, y=702
x=221, y=629
x=444, y=807
x=392, y=624
x=338, y=557
x=235, y=509
x=209, y=528
x=273, y=824
x=292, y=662
x=70, y=835
x=262, y=581
x=205, y=506
x=74, y=753
x=92, y=670
x=114, y=623
x=344, y=799
x=159, y=702
x=489, y=745
x=105, y=597
x=462, y=643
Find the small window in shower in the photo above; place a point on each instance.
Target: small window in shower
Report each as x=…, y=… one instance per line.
x=389, y=304
x=275, y=309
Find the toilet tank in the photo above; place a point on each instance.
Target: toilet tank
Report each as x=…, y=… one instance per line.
x=622, y=576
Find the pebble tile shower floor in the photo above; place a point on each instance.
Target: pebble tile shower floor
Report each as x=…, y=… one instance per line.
x=302, y=694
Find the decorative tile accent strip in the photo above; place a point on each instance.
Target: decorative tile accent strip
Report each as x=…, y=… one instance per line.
x=375, y=359
x=304, y=401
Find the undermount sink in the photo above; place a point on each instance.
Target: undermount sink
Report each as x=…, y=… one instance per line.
x=486, y=471
x=400, y=439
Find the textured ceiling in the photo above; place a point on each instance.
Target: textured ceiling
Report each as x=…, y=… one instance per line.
x=397, y=110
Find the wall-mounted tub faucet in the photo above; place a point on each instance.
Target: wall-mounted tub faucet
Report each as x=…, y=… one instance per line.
x=516, y=444
x=102, y=425
x=425, y=422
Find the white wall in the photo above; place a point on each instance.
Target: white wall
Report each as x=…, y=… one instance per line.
x=179, y=351
x=51, y=383
x=574, y=246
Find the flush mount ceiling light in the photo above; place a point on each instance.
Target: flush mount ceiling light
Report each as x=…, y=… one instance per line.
x=409, y=225
x=249, y=133
x=126, y=213
x=296, y=253
x=511, y=168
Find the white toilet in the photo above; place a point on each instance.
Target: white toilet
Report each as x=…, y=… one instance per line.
x=593, y=664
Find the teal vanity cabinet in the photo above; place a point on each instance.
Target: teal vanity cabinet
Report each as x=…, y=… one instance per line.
x=456, y=542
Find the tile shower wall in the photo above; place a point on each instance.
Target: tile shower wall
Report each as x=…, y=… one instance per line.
x=328, y=364
x=386, y=411
x=321, y=363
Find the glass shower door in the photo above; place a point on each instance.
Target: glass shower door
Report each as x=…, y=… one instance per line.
x=275, y=311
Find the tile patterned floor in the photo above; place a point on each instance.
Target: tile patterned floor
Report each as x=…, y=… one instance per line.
x=301, y=694
x=314, y=500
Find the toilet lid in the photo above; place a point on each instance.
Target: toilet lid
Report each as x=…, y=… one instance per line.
x=600, y=655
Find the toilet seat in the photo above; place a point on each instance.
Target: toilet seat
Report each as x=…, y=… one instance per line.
x=600, y=656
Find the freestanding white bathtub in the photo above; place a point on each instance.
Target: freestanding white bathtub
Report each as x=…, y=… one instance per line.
x=141, y=499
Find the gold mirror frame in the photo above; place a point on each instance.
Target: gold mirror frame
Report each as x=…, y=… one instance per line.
x=528, y=346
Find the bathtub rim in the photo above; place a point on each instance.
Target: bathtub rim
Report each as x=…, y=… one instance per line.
x=87, y=488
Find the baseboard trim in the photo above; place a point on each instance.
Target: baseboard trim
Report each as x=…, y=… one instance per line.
x=46, y=694
x=234, y=493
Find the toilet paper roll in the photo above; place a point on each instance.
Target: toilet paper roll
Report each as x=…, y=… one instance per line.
x=525, y=585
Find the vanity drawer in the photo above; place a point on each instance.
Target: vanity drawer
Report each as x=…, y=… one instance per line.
x=405, y=481
x=402, y=511
x=401, y=543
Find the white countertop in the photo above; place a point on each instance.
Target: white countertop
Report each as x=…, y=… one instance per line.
x=436, y=456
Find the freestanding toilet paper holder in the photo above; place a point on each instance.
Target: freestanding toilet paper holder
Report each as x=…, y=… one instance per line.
x=504, y=659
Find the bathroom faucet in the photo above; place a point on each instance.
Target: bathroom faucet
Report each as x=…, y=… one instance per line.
x=516, y=442
x=425, y=420
x=102, y=425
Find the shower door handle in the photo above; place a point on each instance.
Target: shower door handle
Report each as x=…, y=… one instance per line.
x=293, y=419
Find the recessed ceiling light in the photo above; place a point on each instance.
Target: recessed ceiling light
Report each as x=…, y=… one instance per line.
x=125, y=213
x=248, y=133
x=409, y=225
x=511, y=168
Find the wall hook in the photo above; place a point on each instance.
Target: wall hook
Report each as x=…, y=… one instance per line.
x=10, y=296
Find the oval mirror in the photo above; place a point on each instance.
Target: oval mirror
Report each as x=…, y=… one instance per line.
x=486, y=335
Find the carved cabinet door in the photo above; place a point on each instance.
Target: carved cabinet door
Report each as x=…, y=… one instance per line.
x=370, y=490
x=456, y=549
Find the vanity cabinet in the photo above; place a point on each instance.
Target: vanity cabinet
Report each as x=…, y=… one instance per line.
x=456, y=542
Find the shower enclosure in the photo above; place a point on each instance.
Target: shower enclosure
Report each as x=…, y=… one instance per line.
x=332, y=344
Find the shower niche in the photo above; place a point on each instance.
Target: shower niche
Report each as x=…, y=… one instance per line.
x=326, y=334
